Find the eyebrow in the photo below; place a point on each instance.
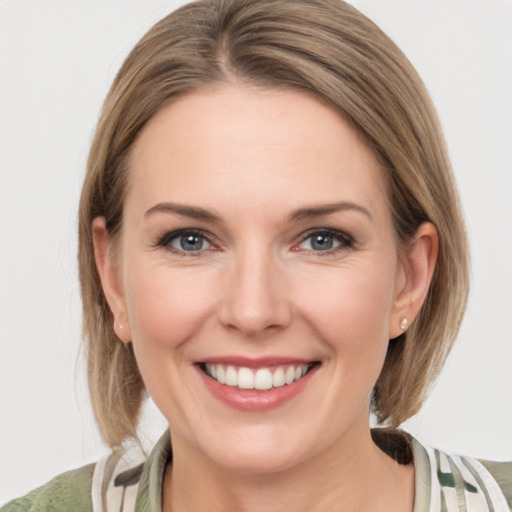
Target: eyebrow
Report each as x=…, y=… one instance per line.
x=194, y=212
x=326, y=209
x=309, y=212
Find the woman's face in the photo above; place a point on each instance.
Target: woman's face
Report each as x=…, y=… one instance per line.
x=257, y=275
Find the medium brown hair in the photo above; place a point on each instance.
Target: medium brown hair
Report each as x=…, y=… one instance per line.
x=329, y=49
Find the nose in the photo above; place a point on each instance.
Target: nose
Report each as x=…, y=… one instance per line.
x=254, y=299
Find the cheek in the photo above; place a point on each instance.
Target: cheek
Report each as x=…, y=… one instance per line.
x=166, y=306
x=349, y=312
x=350, y=308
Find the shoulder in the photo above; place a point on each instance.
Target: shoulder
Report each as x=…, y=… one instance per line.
x=125, y=480
x=68, y=491
x=457, y=482
x=449, y=482
x=113, y=480
x=502, y=474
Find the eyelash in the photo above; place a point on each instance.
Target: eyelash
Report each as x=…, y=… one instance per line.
x=345, y=241
x=165, y=241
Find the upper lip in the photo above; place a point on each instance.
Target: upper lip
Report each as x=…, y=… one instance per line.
x=255, y=362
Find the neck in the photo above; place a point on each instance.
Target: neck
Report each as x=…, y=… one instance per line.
x=352, y=475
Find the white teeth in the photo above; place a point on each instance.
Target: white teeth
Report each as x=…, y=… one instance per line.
x=261, y=379
x=278, y=378
x=245, y=379
x=230, y=376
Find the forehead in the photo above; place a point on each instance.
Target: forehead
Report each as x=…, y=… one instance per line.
x=252, y=144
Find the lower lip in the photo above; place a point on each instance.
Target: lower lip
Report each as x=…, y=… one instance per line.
x=256, y=401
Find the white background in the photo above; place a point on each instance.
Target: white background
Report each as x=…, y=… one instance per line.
x=57, y=59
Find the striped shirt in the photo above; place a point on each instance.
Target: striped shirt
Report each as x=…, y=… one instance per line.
x=127, y=481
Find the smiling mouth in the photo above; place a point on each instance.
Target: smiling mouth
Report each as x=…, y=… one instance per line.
x=261, y=379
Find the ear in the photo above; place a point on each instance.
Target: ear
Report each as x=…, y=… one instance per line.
x=109, y=272
x=413, y=278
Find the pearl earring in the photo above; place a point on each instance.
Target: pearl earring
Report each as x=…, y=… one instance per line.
x=404, y=324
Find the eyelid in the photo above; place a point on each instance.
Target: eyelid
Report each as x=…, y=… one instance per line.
x=346, y=240
x=164, y=241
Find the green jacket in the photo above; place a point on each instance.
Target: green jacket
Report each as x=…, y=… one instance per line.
x=127, y=481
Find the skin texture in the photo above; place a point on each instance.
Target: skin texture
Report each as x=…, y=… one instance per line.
x=257, y=288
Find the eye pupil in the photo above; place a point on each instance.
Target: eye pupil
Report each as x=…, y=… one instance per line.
x=321, y=242
x=190, y=242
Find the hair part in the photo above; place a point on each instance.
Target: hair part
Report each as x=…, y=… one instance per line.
x=329, y=49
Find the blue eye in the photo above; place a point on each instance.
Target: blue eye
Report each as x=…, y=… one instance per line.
x=188, y=242
x=185, y=241
x=322, y=242
x=325, y=241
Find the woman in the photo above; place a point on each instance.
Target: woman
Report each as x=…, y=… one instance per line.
x=271, y=245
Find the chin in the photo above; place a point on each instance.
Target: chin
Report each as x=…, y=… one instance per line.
x=264, y=450
x=258, y=461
